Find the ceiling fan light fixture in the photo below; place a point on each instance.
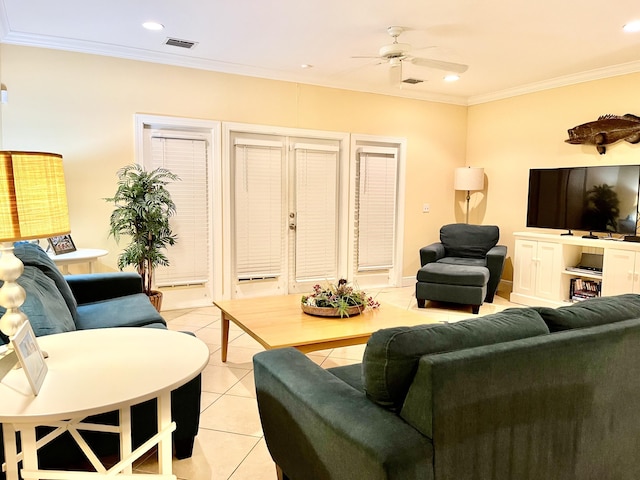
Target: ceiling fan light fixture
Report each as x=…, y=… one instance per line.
x=632, y=27
x=453, y=77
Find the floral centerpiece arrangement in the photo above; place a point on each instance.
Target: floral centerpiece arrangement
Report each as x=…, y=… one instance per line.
x=337, y=300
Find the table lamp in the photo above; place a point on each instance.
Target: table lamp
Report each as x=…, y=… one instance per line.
x=469, y=179
x=33, y=204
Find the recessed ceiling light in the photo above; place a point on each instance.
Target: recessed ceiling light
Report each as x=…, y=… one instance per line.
x=452, y=78
x=306, y=65
x=632, y=27
x=153, y=26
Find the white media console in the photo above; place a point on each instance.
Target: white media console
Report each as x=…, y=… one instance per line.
x=540, y=263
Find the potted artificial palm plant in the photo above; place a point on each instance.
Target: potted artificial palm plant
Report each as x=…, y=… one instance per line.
x=143, y=207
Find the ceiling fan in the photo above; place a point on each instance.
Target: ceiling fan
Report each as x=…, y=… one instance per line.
x=396, y=53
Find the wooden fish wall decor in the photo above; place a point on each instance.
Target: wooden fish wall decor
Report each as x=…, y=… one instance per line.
x=606, y=130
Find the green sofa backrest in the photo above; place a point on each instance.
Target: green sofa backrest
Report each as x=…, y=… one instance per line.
x=391, y=357
x=589, y=313
x=554, y=407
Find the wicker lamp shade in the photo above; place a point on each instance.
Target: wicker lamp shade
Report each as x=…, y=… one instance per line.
x=33, y=204
x=33, y=197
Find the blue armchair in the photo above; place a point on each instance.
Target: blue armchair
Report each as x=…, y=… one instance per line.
x=464, y=267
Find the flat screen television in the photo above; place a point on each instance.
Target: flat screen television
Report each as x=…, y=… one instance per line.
x=591, y=199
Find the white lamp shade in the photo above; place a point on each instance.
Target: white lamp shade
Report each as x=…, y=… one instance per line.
x=469, y=178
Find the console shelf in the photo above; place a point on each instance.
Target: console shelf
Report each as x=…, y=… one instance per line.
x=540, y=275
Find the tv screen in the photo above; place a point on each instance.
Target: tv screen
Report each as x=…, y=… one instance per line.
x=593, y=199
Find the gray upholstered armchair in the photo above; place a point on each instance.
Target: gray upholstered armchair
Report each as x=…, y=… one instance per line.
x=464, y=267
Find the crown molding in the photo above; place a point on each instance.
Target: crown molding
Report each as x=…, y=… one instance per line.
x=582, y=77
x=190, y=61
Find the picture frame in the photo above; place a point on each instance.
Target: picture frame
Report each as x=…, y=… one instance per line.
x=30, y=356
x=62, y=244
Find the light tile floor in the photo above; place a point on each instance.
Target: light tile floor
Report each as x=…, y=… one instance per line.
x=229, y=445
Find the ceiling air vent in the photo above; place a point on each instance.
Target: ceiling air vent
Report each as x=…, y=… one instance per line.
x=175, y=42
x=412, y=81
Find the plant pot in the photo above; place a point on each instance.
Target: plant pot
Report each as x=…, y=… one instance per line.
x=156, y=299
x=331, y=312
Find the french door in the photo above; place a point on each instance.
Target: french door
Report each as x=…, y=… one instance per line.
x=288, y=211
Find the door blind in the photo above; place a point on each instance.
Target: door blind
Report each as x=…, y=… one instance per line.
x=316, y=212
x=376, y=210
x=189, y=257
x=258, y=210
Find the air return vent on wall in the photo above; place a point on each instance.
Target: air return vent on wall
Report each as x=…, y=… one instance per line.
x=412, y=81
x=175, y=42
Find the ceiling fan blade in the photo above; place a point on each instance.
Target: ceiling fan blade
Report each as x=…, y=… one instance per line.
x=440, y=65
x=395, y=75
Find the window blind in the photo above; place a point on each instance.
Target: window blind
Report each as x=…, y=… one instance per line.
x=258, y=209
x=316, y=211
x=375, y=208
x=189, y=257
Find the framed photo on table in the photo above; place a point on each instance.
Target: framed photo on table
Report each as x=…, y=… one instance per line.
x=62, y=244
x=30, y=356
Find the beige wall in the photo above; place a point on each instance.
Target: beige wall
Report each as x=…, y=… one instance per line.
x=509, y=137
x=83, y=106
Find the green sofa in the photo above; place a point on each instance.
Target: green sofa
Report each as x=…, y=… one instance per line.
x=56, y=304
x=525, y=394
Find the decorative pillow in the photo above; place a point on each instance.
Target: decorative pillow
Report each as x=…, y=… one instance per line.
x=32, y=255
x=592, y=312
x=391, y=356
x=44, y=306
x=462, y=240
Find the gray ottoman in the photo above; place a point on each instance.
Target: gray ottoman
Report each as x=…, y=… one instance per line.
x=445, y=282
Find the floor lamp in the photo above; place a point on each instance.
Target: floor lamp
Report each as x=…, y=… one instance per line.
x=33, y=204
x=469, y=179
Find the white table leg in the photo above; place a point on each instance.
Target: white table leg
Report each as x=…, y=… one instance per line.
x=29, y=448
x=10, y=451
x=125, y=436
x=165, y=452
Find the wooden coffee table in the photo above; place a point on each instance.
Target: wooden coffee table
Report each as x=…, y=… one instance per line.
x=277, y=322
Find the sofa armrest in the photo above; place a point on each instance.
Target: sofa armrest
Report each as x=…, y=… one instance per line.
x=317, y=426
x=495, y=263
x=431, y=253
x=94, y=287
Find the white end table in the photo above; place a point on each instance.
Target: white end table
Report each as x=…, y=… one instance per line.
x=97, y=371
x=81, y=255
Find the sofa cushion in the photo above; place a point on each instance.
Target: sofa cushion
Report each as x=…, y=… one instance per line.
x=462, y=240
x=391, y=356
x=592, y=312
x=349, y=374
x=44, y=305
x=129, y=311
x=450, y=274
x=32, y=255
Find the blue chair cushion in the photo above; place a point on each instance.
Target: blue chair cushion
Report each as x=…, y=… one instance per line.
x=447, y=274
x=44, y=304
x=128, y=311
x=463, y=240
x=32, y=255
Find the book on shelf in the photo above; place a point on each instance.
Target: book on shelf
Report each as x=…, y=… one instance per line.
x=583, y=289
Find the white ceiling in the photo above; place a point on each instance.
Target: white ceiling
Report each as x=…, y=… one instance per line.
x=511, y=46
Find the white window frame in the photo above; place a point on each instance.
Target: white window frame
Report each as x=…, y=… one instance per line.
x=393, y=275
x=204, y=294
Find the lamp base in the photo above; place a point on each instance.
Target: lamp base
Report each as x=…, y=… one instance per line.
x=12, y=295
